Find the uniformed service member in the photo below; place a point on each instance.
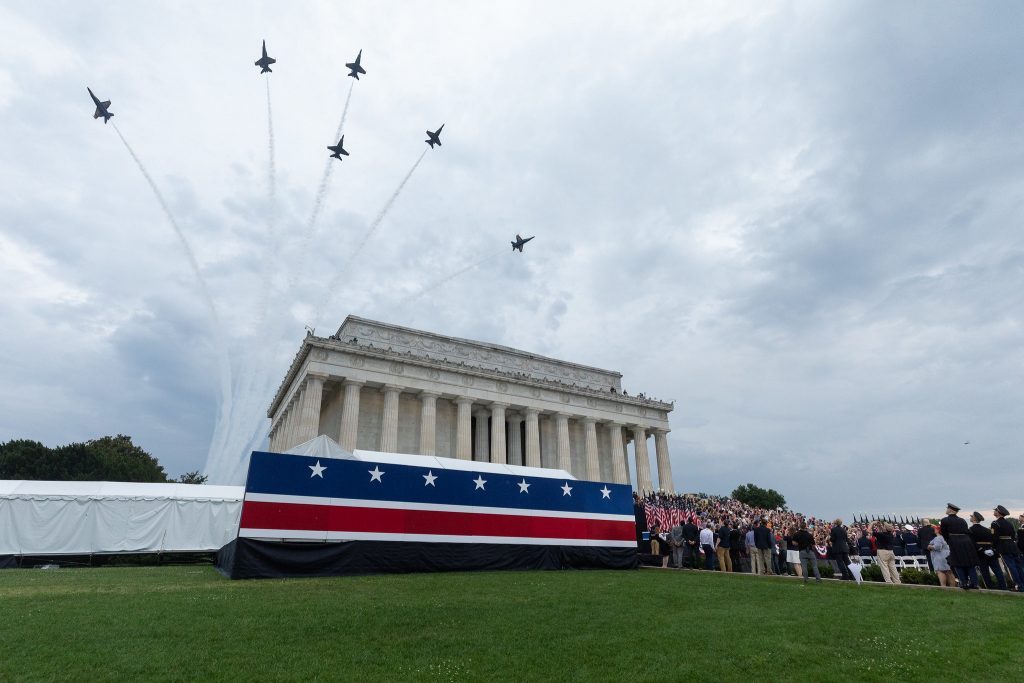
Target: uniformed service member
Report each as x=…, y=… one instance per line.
x=963, y=559
x=988, y=558
x=1005, y=543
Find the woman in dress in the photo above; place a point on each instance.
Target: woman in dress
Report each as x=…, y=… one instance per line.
x=939, y=551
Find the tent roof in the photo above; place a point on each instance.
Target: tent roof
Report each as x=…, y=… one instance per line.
x=16, y=488
x=325, y=447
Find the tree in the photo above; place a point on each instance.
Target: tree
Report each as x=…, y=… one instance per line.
x=755, y=496
x=111, y=458
x=193, y=478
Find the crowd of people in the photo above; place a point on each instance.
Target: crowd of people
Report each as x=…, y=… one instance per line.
x=720, y=533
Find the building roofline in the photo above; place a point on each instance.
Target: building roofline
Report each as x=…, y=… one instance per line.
x=477, y=344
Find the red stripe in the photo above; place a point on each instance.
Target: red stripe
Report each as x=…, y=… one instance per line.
x=296, y=516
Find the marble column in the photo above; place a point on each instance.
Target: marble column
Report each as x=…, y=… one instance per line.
x=428, y=422
x=389, y=422
x=590, y=440
x=293, y=417
x=625, y=455
x=481, y=449
x=643, y=460
x=532, y=437
x=464, y=429
x=498, y=453
x=309, y=420
x=664, y=464
x=348, y=433
x=515, y=439
x=562, y=441
x=615, y=446
x=286, y=428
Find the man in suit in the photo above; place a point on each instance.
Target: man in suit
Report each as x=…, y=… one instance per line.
x=691, y=533
x=676, y=541
x=840, y=543
x=924, y=537
x=763, y=546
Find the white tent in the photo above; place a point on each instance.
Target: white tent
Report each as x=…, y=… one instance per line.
x=95, y=517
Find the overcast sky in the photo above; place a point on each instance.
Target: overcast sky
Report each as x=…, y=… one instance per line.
x=802, y=222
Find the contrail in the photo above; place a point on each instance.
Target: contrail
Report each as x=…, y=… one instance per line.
x=270, y=246
x=343, y=269
x=225, y=366
x=321, y=194
x=272, y=168
x=383, y=212
x=445, y=280
x=306, y=238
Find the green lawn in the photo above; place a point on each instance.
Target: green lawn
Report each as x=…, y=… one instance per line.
x=651, y=625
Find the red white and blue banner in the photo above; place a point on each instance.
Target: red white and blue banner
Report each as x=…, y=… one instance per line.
x=419, y=499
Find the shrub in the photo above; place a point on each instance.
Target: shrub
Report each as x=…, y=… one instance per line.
x=826, y=570
x=919, y=577
x=872, y=572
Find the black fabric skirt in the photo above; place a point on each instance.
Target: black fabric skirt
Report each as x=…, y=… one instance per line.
x=246, y=558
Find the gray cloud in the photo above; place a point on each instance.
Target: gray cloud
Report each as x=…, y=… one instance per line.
x=799, y=222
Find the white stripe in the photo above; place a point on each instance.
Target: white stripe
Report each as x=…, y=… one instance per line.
x=298, y=535
x=437, y=507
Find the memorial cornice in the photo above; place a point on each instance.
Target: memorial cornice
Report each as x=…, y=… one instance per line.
x=474, y=353
x=594, y=397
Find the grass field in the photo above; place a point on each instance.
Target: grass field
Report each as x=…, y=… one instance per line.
x=177, y=623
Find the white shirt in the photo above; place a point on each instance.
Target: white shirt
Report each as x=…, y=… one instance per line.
x=707, y=537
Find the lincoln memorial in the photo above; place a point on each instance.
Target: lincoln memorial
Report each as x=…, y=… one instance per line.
x=380, y=387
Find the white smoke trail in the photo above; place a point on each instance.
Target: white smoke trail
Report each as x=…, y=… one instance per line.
x=218, y=329
x=270, y=247
x=446, y=279
x=271, y=166
x=342, y=271
x=321, y=194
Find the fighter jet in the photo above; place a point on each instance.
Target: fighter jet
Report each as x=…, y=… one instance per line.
x=101, y=107
x=520, y=242
x=338, y=149
x=264, y=62
x=354, y=68
x=434, y=138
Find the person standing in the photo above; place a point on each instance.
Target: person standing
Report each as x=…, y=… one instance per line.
x=736, y=546
x=840, y=544
x=722, y=546
x=676, y=541
x=691, y=553
x=988, y=558
x=792, y=552
x=763, y=547
x=962, y=557
x=752, y=555
x=707, y=544
x=938, y=550
x=808, y=557
x=924, y=536
x=1005, y=535
x=883, y=547
x=910, y=540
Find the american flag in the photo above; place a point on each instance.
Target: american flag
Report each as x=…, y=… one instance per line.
x=385, y=497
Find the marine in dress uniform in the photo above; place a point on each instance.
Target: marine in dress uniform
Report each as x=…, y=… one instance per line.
x=1005, y=543
x=988, y=558
x=963, y=559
